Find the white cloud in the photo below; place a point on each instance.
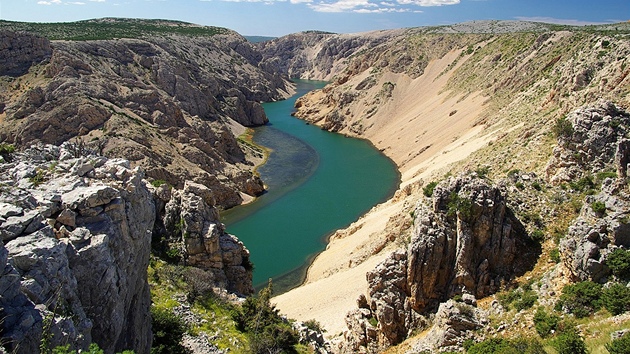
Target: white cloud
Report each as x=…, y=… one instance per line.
x=75, y=3
x=427, y=3
x=52, y=2
x=342, y=6
x=562, y=21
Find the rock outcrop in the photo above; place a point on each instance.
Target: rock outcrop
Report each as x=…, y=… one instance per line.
x=192, y=224
x=19, y=51
x=172, y=104
x=596, y=142
x=466, y=242
x=317, y=55
x=77, y=236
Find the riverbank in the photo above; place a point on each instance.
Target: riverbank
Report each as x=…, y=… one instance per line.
x=419, y=132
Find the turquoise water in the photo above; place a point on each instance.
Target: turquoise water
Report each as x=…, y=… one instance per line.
x=317, y=183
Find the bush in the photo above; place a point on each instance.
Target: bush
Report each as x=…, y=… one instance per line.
x=428, y=189
x=537, y=235
x=527, y=300
x=266, y=330
x=555, y=255
x=598, y=207
x=545, y=323
x=580, y=299
x=314, y=325
x=505, y=346
x=616, y=298
x=457, y=204
x=619, y=263
x=583, y=184
x=168, y=330
x=563, y=128
x=619, y=345
x=569, y=341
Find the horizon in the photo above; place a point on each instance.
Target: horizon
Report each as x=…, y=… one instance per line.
x=336, y=16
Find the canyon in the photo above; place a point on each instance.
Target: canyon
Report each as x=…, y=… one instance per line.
x=472, y=110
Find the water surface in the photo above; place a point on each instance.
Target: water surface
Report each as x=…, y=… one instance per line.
x=317, y=183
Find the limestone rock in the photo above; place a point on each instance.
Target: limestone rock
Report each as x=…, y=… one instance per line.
x=591, y=144
x=452, y=324
x=81, y=274
x=191, y=221
x=171, y=105
x=18, y=51
x=466, y=242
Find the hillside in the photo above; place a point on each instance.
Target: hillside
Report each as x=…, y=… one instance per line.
x=171, y=97
x=481, y=96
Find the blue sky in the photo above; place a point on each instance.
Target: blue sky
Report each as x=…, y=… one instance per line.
x=281, y=17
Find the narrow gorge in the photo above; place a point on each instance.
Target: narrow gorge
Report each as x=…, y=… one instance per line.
x=121, y=148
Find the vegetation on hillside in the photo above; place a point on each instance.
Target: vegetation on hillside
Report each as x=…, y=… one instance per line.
x=111, y=28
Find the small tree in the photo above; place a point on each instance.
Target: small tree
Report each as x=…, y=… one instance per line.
x=545, y=323
x=616, y=298
x=569, y=341
x=580, y=299
x=619, y=263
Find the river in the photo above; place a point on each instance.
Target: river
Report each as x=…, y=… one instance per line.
x=317, y=182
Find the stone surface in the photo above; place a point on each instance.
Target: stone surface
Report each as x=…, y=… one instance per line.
x=598, y=144
x=191, y=223
x=80, y=277
x=172, y=105
x=466, y=242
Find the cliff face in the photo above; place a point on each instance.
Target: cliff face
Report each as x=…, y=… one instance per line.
x=466, y=242
x=317, y=55
x=76, y=235
x=172, y=104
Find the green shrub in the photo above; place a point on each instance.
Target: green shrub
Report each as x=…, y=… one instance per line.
x=428, y=189
x=158, y=182
x=314, y=325
x=619, y=345
x=616, y=298
x=569, y=341
x=598, y=207
x=505, y=346
x=527, y=300
x=580, y=299
x=168, y=330
x=545, y=323
x=563, y=128
x=267, y=331
x=6, y=148
x=520, y=185
x=583, y=184
x=482, y=172
x=601, y=176
x=555, y=255
x=619, y=263
x=457, y=204
x=537, y=235
x=537, y=186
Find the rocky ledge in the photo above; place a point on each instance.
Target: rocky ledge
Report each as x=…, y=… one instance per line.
x=77, y=232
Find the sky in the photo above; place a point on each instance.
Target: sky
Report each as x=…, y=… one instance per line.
x=282, y=17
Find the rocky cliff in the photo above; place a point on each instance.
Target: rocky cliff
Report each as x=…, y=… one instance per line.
x=77, y=233
x=171, y=103
x=466, y=242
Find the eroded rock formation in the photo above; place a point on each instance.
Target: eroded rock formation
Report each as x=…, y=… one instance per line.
x=596, y=141
x=466, y=242
x=171, y=104
x=77, y=236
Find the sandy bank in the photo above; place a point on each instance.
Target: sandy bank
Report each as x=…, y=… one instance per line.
x=424, y=130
